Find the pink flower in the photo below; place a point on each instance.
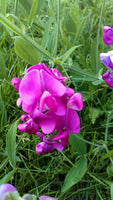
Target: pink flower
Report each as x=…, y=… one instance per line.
x=107, y=59
x=50, y=106
x=29, y=126
x=5, y=189
x=108, y=78
x=47, y=145
x=108, y=35
x=44, y=197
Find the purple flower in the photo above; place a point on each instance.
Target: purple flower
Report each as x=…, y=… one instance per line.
x=5, y=189
x=47, y=145
x=44, y=197
x=50, y=106
x=29, y=126
x=108, y=35
x=108, y=78
x=107, y=59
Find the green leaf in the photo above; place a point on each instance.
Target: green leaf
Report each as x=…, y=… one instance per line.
x=75, y=174
x=68, y=53
x=7, y=177
x=111, y=190
x=16, y=30
x=26, y=50
x=2, y=66
x=33, y=10
x=53, y=40
x=11, y=143
x=77, y=144
x=3, y=6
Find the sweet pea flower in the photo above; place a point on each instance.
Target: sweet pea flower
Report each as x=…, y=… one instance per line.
x=107, y=59
x=108, y=78
x=47, y=145
x=5, y=190
x=48, y=105
x=29, y=126
x=44, y=197
x=108, y=35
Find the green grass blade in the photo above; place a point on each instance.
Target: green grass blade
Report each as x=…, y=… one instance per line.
x=2, y=66
x=33, y=11
x=111, y=191
x=3, y=6
x=68, y=53
x=7, y=177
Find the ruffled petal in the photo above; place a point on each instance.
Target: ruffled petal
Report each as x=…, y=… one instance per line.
x=76, y=102
x=108, y=35
x=55, y=87
x=45, y=121
x=108, y=78
x=107, y=59
x=16, y=82
x=72, y=121
x=44, y=197
x=49, y=100
x=30, y=87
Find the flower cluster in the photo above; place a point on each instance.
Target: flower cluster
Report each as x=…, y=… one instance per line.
x=8, y=191
x=107, y=58
x=49, y=106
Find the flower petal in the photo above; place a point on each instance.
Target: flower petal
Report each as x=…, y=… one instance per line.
x=45, y=121
x=55, y=87
x=44, y=197
x=72, y=121
x=108, y=35
x=30, y=87
x=49, y=100
x=16, y=82
x=76, y=102
x=108, y=78
x=107, y=59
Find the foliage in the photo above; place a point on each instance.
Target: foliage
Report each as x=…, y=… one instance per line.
x=65, y=34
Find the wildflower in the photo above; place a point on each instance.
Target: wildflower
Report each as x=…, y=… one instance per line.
x=49, y=105
x=44, y=197
x=108, y=35
x=107, y=59
x=5, y=190
x=47, y=145
x=108, y=78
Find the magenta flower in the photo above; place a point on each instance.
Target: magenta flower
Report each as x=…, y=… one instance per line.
x=108, y=78
x=49, y=105
x=108, y=35
x=107, y=59
x=47, y=145
x=44, y=197
x=29, y=126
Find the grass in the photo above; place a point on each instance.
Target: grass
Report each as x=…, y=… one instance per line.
x=47, y=34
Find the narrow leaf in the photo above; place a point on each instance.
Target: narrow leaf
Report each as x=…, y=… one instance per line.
x=7, y=177
x=111, y=190
x=33, y=11
x=2, y=66
x=11, y=143
x=77, y=144
x=26, y=50
x=53, y=40
x=68, y=53
x=75, y=174
x=3, y=6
